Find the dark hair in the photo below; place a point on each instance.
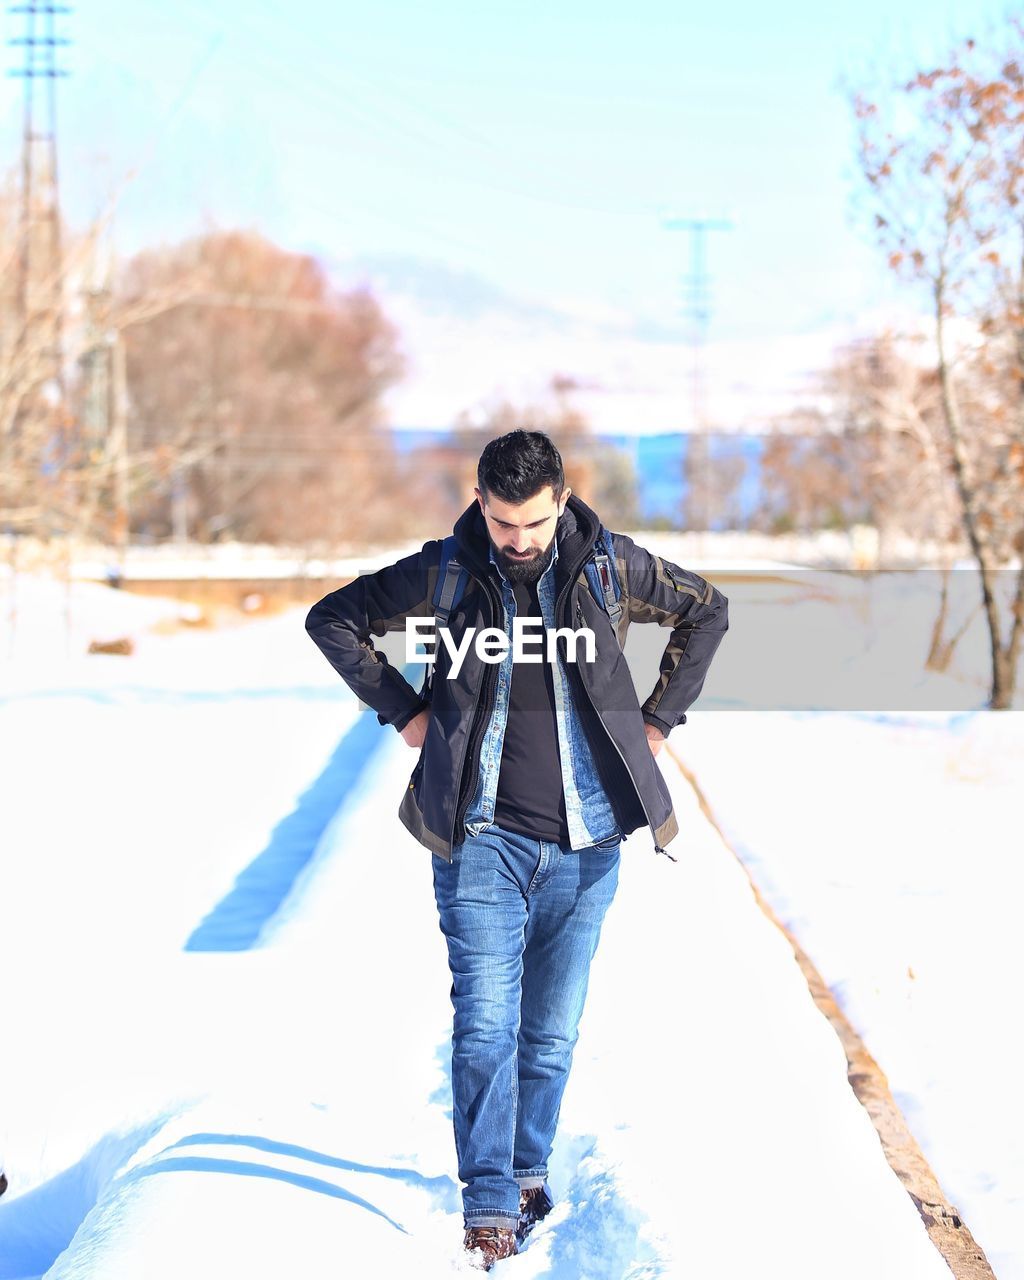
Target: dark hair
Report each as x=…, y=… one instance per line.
x=518, y=465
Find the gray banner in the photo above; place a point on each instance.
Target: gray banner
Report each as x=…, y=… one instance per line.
x=842, y=640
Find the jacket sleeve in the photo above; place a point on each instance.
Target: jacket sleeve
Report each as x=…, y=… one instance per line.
x=342, y=622
x=659, y=591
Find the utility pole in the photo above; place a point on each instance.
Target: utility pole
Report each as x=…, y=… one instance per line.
x=697, y=308
x=104, y=409
x=35, y=327
x=40, y=276
x=31, y=313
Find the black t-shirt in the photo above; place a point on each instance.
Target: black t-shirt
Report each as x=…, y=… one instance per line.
x=530, y=797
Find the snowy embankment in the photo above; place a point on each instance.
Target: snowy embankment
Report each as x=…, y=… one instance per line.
x=890, y=845
x=227, y=1011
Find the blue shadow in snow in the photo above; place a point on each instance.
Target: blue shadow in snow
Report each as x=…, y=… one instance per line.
x=442, y=1188
x=38, y=1225
x=442, y=1096
x=246, y=1169
x=235, y=922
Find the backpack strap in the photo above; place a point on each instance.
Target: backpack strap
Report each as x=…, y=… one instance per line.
x=600, y=570
x=601, y=575
x=452, y=576
x=451, y=582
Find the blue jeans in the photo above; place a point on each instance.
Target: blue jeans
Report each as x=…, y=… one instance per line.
x=522, y=918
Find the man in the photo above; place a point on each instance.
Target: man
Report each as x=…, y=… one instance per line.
x=530, y=775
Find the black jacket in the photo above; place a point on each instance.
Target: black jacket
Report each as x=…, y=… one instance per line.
x=443, y=779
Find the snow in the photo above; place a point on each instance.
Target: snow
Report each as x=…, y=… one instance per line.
x=226, y=1007
x=896, y=860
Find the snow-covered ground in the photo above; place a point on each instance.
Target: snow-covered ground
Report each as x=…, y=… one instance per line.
x=891, y=846
x=226, y=1003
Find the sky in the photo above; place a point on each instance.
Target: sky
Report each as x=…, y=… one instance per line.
x=530, y=154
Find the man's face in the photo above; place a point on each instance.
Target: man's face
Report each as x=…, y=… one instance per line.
x=522, y=536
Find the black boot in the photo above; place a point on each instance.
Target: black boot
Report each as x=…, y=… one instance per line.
x=534, y=1203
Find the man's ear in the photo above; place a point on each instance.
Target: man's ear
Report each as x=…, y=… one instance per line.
x=479, y=498
x=565, y=499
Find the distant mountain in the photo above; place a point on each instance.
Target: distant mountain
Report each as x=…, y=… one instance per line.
x=469, y=342
x=442, y=290
x=438, y=289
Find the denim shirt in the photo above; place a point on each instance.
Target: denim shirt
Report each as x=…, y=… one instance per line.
x=589, y=813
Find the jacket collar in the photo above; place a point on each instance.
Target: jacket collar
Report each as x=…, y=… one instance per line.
x=576, y=532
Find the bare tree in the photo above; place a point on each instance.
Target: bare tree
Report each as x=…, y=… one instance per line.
x=58, y=482
x=56, y=473
x=894, y=402
x=811, y=478
x=943, y=160
x=280, y=377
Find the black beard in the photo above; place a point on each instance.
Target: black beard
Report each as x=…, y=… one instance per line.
x=528, y=571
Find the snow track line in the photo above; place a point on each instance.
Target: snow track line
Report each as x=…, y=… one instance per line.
x=946, y=1229
x=261, y=888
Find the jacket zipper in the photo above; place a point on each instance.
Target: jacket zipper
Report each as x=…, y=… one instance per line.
x=472, y=748
x=479, y=715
